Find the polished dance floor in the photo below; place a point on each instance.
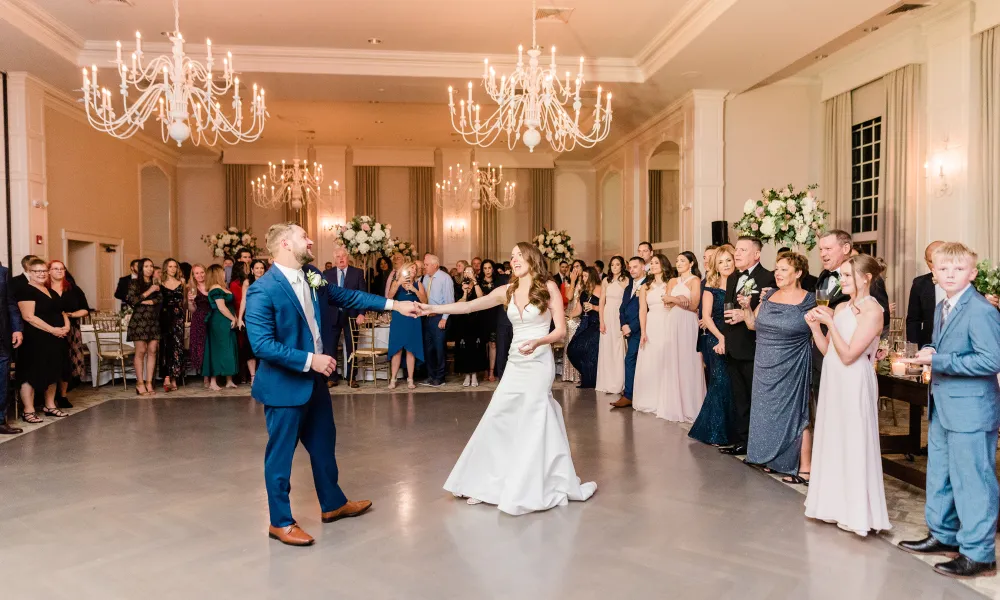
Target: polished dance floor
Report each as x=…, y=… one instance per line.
x=164, y=499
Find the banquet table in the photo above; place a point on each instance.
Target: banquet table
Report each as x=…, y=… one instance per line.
x=87, y=334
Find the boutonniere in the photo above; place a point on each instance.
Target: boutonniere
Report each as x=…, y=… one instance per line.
x=749, y=287
x=836, y=287
x=315, y=280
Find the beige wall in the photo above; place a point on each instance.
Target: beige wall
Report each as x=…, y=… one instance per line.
x=575, y=209
x=201, y=209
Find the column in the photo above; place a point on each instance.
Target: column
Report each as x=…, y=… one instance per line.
x=26, y=119
x=703, y=174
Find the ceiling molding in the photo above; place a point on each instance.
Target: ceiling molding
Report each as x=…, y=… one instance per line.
x=575, y=166
x=191, y=161
x=42, y=27
x=690, y=22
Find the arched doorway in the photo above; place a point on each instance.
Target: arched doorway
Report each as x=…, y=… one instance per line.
x=612, y=225
x=664, y=198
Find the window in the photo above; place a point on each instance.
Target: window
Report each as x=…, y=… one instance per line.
x=865, y=248
x=866, y=160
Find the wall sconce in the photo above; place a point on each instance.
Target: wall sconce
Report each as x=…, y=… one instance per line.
x=937, y=170
x=455, y=228
x=329, y=224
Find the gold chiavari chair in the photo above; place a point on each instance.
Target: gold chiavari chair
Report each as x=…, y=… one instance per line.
x=111, y=348
x=368, y=355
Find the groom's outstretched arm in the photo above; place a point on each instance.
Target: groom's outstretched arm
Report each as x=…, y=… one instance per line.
x=345, y=298
x=262, y=328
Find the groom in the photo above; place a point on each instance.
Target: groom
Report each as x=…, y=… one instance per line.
x=283, y=321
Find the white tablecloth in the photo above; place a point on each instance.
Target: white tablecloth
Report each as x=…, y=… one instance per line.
x=381, y=341
x=87, y=333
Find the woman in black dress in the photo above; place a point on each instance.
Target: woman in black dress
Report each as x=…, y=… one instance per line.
x=144, y=325
x=488, y=281
x=257, y=270
x=44, y=352
x=74, y=303
x=584, y=348
x=470, y=343
x=172, y=313
x=379, y=278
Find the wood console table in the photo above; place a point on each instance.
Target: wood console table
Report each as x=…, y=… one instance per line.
x=914, y=393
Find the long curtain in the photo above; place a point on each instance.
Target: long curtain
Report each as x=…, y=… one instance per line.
x=237, y=178
x=488, y=231
x=541, y=199
x=987, y=147
x=656, y=205
x=366, y=191
x=422, y=211
x=836, y=182
x=900, y=182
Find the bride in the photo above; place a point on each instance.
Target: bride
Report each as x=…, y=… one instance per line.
x=518, y=458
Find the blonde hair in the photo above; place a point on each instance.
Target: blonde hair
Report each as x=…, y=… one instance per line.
x=192, y=285
x=712, y=276
x=954, y=252
x=215, y=275
x=277, y=234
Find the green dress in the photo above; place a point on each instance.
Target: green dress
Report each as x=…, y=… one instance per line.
x=220, y=339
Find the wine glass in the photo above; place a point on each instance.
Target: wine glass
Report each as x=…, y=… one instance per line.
x=822, y=297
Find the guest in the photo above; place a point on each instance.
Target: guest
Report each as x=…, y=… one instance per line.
x=741, y=342
x=328, y=266
x=121, y=292
x=582, y=352
x=221, y=354
x=227, y=265
x=335, y=319
x=440, y=290
x=470, y=342
x=779, y=436
x=379, y=277
x=599, y=265
x=650, y=388
x=834, y=250
x=611, y=352
x=507, y=271
x=683, y=388
x=245, y=256
x=22, y=282
x=571, y=299
x=488, y=279
x=257, y=270
x=11, y=328
x=645, y=252
x=631, y=327
x=925, y=295
x=197, y=297
x=172, y=359
x=711, y=425
x=846, y=486
x=808, y=281
x=563, y=275
x=237, y=287
x=405, y=333
x=144, y=325
x=477, y=266
x=73, y=302
x=43, y=356
x=398, y=260
x=185, y=271
x=708, y=259
x=964, y=357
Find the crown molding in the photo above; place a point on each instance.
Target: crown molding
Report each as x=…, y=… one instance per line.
x=693, y=18
x=42, y=27
x=575, y=166
x=195, y=161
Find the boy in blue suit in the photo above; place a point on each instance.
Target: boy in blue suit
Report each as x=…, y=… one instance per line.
x=964, y=414
x=628, y=316
x=284, y=323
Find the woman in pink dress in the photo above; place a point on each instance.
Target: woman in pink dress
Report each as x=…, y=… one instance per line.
x=683, y=376
x=650, y=392
x=611, y=355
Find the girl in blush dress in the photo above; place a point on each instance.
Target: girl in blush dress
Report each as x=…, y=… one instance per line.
x=611, y=353
x=583, y=350
x=197, y=297
x=650, y=392
x=683, y=376
x=846, y=487
x=711, y=425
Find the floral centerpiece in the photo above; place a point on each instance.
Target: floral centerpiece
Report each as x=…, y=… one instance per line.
x=407, y=249
x=555, y=245
x=987, y=280
x=364, y=238
x=231, y=241
x=784, y=217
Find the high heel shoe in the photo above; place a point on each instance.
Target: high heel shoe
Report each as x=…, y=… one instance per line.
x=140, y=391
x=150, y=390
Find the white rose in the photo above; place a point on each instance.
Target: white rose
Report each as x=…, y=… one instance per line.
x=560, y=248
x=361, y=237
x=808, y=204
x=801, y=235
x=776, y=207
x=767, y=227
x=246, y=238
x=540, y=239
x=220, y=243
x=378, y=226
x=365, y=219
x=378, y=235
x=363, y=248
x=349, y=234
x=749, y=206
x=557, y=239
x=218, y=252
x=792, y=207
x=233, y=230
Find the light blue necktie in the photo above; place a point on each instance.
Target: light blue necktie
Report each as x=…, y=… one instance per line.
x=340, y=278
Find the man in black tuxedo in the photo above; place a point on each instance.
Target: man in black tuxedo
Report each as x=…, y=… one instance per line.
x=741, y=342
x=924, y=298
x=335, y=319
x=563, y=274
x=121, y=290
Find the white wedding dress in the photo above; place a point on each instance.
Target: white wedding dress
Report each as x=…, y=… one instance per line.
x=518, y=458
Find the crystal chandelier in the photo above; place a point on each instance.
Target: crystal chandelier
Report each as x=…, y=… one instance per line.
x=532, y=99
x=182, y=91
x=477, y=186
x=292, y=184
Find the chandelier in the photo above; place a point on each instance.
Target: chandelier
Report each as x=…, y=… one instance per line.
x=532, y=99
x=477, y=186
x=183, y=93
x=292, y=184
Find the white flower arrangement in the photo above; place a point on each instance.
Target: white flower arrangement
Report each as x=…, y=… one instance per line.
x=555, y=245
x=784, y=217
x=407, y=249
x=364, y=237
x=230, y=241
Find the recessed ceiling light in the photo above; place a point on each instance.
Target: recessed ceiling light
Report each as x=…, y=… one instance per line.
x=381, y=89
x=374, y=41
x=871, y=29
x=407, y=139
x=821, y=56
x=373, y=102
x=377, y=122
x=359, y=138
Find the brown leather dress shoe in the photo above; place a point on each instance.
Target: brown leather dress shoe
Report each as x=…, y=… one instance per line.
x=7, y=429
x=622, y=402
x=293, y=535
x=355, y=384
x=352, y=509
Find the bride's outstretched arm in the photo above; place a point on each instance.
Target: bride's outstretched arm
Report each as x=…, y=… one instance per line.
x=494, y=298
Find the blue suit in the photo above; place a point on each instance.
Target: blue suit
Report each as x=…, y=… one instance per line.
x=10, y=323
x=962, y=491
x=628, y=314
x=296, y=401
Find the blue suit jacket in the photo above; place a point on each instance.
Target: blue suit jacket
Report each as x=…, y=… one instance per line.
x=628, y=312
x=10, y=314
x=964, y=390
x=281, y=339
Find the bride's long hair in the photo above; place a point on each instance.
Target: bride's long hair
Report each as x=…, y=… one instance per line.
x=539, y=292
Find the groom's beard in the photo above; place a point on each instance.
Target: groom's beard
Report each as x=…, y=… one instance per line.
x=304, y=257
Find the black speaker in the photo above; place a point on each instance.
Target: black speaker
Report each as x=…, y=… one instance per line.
x=720, y=233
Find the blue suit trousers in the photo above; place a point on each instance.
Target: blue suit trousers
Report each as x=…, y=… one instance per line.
x=631, y=357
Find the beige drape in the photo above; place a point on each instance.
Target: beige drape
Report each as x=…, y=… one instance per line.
x=899, y=182
x=541, y=199
x=366, y=191
x=987, y=145
x=836, y=183
x=656, y=205
x=487, y=220
x=422, y=208
x=237, y=189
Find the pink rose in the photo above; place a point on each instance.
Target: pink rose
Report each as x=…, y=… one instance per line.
x=366, y=227
x=754, y=226
x=759, y=212
x=784, y=227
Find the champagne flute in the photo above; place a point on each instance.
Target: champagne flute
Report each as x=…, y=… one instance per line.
x=822, y=297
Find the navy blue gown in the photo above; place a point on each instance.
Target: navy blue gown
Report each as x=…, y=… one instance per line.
x=406, y=333
x=710, y=426
x=585, y=346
